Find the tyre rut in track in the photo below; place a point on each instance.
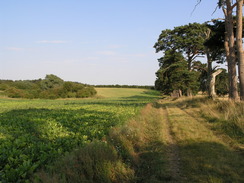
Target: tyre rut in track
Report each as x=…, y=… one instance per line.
x=172, y=151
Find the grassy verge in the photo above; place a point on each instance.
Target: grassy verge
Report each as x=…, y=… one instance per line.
x=141, y=144
x=204, y=156
x=210, y=139
x=225, y=118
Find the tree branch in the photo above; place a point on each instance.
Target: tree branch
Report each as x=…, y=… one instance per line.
x=233, y=6
x=217, y=72
x=224, y=11
x=215, y=9
x=215, y=67
x=198, y=2
x=200, y=68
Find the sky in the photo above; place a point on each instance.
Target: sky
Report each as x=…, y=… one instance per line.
x=90, y=41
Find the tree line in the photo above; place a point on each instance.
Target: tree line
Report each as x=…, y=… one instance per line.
x=125, y=86
x=52, y=87
x=218, y=40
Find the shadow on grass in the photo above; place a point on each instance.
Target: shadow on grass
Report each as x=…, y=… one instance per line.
x=188, y=102
x=219, y=125
x=123, y=101
x=199, y=162
x=95, y=162
x=153, y=165
x=31, y=138
x=33, y=121
x=211, y=162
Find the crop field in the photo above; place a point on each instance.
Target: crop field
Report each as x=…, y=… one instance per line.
x=34, y=133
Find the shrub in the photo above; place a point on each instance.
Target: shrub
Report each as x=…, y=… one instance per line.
x=15, y=93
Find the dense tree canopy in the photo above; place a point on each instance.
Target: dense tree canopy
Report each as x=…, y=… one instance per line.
x=188, y=39
x=179, y=68
x=51, y=81
x=174, y=75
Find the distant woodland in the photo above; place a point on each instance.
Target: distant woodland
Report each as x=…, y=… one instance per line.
x=52, y=87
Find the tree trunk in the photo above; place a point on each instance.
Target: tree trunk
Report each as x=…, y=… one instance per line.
x=230, y=49
x=189, y=61
x=209, y=61
x=240, y=52
x=227, y=51
x=212, y=92
x=176, y=93
x=180, y=93
x=189, y=93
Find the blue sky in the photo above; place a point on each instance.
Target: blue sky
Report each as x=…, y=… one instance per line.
x=90, y=41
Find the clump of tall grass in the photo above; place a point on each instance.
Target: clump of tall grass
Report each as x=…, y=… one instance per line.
x=232, y=111
x=96, y=162
x=229, y=117
x=226, y=116
x=129, y=138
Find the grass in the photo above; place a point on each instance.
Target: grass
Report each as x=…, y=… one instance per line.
x=134, y=152
x=141, y=145
x=35, y=133
x=223, y=117
x=123, y=92
x=96, y=162
x=206, y=155
x=111, y=139
x=145, y=153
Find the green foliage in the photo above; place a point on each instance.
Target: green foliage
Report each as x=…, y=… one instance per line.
x=181, y=46
x=35, y=133
x=188, y=39
x=15, y=93
x=201, y=68
x=222, y=87
x=5, y=84
x=174, y=75
x=215, y=42
x=52, y=87
x=51, y=81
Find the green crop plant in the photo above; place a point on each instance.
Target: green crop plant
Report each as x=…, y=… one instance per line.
x=34, y=133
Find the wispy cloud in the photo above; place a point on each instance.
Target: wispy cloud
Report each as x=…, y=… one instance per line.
x=140, y=55
x=51, y=41
x=106, y=53
x=91, y=58
x=14, y=48
x=115, y=46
